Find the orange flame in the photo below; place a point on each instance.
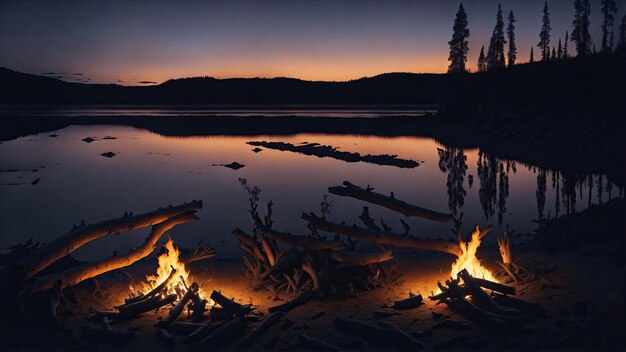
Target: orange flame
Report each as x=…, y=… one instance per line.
x=168, y=261
x=468, y=260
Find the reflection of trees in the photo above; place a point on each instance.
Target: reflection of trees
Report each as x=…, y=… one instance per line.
x=454, y=162
x=503, y=190
x=487, y=171
x=541, y=193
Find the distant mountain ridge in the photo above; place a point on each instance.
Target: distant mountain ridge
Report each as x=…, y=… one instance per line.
x=555, y=83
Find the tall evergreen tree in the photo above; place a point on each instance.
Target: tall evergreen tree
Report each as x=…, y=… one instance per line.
x=532, y=56
x=510, y=33
x=495, y=53
x=622, y=34
x=611, y=42
x=553, y=56
x=459, y=44
x=609, y=9
x=482, y=60
x=580, y=32
x=544, y=34
x=565, y=51
x=559, y=51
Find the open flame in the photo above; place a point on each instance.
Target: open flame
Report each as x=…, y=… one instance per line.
x=468, y=260
x=168, y=261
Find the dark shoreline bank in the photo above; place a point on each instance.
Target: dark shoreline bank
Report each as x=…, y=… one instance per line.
x=516, y=141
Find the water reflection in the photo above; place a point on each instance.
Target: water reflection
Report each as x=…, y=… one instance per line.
x=150, y=170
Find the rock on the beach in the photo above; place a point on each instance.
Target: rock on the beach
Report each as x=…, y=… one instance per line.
x=88, y=140
x=234, y=165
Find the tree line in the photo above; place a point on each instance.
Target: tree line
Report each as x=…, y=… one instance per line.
x=497, y=58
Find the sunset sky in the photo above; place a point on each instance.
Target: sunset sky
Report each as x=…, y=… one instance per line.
x=151, y=41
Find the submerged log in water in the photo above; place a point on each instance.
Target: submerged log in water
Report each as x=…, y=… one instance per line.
x=322, y=151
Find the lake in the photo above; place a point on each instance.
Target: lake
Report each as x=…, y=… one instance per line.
x=75, y=182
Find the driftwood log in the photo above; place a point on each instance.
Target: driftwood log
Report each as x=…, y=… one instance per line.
x=42, y=257
x=76, y=275
x=408, y=303
x=350, y=190
x=134, y=309
x=224, y=334
x=260, y=329
x=229, y=306
x=382, y=237
x=299, y=300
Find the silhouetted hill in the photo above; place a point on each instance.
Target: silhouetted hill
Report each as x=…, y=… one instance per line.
x=561, y=84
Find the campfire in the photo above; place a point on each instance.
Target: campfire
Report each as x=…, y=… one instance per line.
x=171, y=274
x=467, y=258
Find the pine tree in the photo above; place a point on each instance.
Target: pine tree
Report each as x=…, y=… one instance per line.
x=559, y=51
x=553, y=57
x=580, y=33
x=544, y=34
x=611, y=43
x=532, y=57
x=495, y=53
x=510, y=32
x=459, y=44
x=622, y=34
x=482, y=60
x=609, y=9
x=565, y=52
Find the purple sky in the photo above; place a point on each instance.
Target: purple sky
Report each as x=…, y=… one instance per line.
x=129, y=42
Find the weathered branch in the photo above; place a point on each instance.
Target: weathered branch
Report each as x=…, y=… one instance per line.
x=180, y=305
x=230, y=306
x=77, y=237
x=350, y=190
x=356, y=258
x=75, y=275
x=250, y=242
x=296, y=301
x=382, y=237
x=260, y=329
x=303, y=241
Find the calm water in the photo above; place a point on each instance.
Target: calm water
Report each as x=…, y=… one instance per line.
x=150, y=170
x=224, y=110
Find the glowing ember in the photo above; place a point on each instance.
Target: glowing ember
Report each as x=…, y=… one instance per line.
x=467, y=259
x=168, y=261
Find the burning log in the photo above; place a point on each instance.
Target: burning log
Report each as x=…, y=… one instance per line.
x=260, y=329
x=313, y=344
x=229, y=306
x=350, y=190
x=42, y=257
x=480, y=297
x=355, y=258
x=455, y=299
x=494, y=286
x=529, y=307
x=73, y=276
x=199, y=306
x=299, y=300
x=134, y=309
x=408, y=303
x=224, y=334
x=154, y=291
x=381, y=237
x=180, y=306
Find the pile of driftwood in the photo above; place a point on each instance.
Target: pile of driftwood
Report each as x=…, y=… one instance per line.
x=38, y=274
x=316, y=266
x=499, y=310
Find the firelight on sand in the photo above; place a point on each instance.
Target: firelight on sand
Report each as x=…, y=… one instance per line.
x=468, y=260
